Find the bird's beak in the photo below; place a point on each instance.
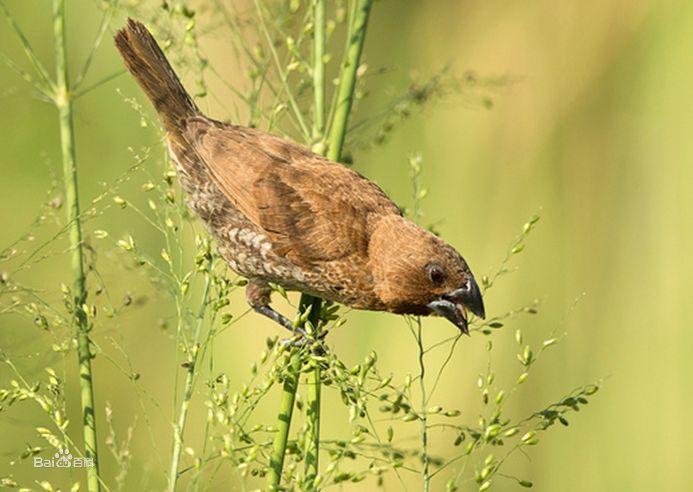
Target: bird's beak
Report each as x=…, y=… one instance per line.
x=453, y=306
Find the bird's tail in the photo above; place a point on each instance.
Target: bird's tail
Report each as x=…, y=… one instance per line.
x=148, y=64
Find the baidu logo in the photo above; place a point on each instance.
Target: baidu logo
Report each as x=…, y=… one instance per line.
x=63, y=459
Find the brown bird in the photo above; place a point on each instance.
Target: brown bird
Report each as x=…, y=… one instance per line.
x=282, y=214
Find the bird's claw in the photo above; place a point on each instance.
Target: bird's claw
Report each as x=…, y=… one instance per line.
x=298, y=342
x=300, y=338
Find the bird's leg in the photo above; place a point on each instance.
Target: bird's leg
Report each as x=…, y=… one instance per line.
x=274, y=316
x=258, y=295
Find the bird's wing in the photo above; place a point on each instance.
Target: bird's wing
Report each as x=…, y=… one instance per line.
x=312, y=209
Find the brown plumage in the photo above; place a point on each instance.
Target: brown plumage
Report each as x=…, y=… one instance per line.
x=283, y=214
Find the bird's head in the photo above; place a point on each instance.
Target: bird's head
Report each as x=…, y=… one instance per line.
x=415, y=272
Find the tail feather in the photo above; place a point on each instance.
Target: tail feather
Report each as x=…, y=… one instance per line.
x=152, y=71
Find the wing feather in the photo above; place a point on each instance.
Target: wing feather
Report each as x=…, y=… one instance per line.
x=312, y=209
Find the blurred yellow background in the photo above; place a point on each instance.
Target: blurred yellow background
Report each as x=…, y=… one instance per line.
x=593, y=132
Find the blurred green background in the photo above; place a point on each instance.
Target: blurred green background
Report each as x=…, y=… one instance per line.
x=594, y=132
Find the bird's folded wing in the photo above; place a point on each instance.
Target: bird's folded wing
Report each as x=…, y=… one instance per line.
x=312, y=209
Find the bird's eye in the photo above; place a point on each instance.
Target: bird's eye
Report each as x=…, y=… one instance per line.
x=435, y=274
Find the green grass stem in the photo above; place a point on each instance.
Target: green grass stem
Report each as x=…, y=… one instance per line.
x=286, y=410
x=314, y=394
x=191, y=371
x=67, y=141
x=347, y=82
x=347, y=85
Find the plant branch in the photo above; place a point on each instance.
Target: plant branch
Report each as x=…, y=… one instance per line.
x=283, y=75
x=103, y=26
x=44, y=84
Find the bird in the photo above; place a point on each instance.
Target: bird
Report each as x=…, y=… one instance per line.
x=284, y=215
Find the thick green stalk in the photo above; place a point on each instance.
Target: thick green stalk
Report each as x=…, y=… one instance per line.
x=347, y=83
x=313, y=396
x=67, y=139
x=338, y=127
x=319, y=72
x=188, y=389
x=286, y=410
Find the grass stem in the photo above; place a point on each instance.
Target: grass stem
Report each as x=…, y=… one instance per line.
x=191, y=366
x=314, y=393
x=319, y=72
x=423, y=415
x=44, y=84
x=347, y=82
x=63, y=102
x=286, y=410
x=340, y=118
x=312, y=401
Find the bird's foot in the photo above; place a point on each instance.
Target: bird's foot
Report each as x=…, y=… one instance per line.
x=303, y=339
x=300, y=338
x=298, y=341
